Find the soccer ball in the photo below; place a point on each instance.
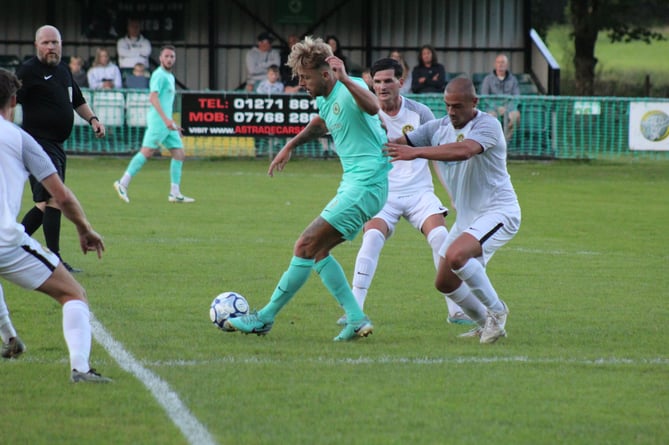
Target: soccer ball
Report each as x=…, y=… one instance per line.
x=227, y=305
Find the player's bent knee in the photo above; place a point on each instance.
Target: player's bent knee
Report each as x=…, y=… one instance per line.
x=455, y=259
x=306, y=247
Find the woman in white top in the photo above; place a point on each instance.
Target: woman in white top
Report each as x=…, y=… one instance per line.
x=104, y=73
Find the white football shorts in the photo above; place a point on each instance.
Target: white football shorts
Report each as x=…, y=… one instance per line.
x=415, y=211
x=28, y=265
x=493, y=230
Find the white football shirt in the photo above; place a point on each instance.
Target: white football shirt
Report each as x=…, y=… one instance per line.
x=480, y=184
x=19, y=154
x=408, y=177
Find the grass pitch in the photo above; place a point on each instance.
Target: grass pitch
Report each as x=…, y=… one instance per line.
x=586, y=359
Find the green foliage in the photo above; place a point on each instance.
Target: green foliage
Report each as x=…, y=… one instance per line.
x=622, y=67
x=588, y=18
x=585, y=280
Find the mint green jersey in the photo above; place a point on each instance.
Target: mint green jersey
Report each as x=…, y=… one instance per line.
x=162, y=82
x=358, y=136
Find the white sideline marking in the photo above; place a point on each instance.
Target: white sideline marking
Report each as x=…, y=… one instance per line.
x=191, y=428
x=610, y=361
x=457, y=360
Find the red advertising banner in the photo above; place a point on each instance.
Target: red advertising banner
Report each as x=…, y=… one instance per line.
x=216, y=114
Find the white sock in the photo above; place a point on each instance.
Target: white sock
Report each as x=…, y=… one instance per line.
x=125, y=179
x=6, y=328
x=473, y=273
x=77, y=332
x=175, y=189
x=365, y=264
x=469, y=303
x=436, y=238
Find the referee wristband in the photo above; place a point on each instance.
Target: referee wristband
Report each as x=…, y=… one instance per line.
x=90, y=121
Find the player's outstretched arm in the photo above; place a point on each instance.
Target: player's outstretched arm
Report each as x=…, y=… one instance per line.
x=456, y=151
x=315, y=129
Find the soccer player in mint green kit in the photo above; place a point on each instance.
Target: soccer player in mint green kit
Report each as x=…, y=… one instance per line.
x=348, y=110
x=160, y=130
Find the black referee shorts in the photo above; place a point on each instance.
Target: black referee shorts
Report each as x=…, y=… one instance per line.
x=56, y=153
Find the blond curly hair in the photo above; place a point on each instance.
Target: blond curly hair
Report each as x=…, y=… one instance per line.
x=309, y=53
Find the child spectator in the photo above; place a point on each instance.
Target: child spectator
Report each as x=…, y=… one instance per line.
x=78, y=72
x=271, y=85
x=138, y=79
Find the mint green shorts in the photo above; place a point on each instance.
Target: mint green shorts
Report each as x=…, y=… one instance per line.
x=353, y=206
x=159, y=135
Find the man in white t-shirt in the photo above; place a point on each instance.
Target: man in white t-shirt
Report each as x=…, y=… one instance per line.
x=23, y=261
x=410, y=189
x=134, y=47
x=470, y=148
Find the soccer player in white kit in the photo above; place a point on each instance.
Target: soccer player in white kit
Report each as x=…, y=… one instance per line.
x=471, y=150
x=23, y=261
x=410, y=188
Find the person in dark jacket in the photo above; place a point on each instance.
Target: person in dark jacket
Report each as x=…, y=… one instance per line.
x=429, y=76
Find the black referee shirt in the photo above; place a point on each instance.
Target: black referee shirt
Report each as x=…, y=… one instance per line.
x=48, y=96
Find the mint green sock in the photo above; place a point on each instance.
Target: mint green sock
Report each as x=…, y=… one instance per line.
x=136, y=164
x=334, y=279
x=291, y=281
x=175, y=171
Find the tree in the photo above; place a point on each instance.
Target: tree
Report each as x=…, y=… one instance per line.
x=625, y=20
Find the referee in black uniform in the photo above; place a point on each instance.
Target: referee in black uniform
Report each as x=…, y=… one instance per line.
x=48, y=96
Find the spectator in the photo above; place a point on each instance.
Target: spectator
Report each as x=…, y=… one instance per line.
x=78, y=71
x=259, y=59
x=103, y=73
x=502, y=82
x=429, y=76
x=134, y=48
x=333, y=41
x=138, y=79
x=272, y=84
x=406, y=75
x=291, y=83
